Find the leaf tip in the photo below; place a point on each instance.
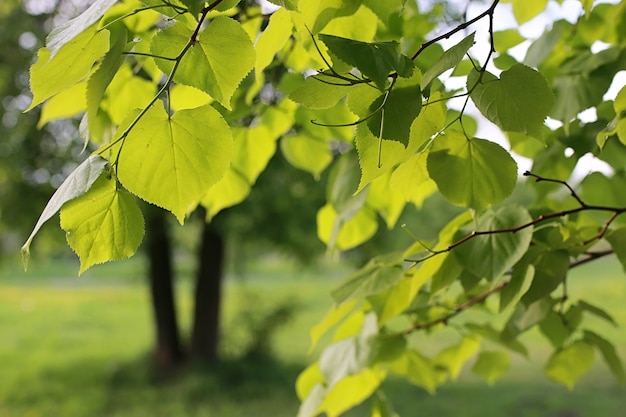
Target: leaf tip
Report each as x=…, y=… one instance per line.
x=25, y=255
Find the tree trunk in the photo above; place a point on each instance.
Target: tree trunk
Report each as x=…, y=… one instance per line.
x=168, y=348
x=208, y=295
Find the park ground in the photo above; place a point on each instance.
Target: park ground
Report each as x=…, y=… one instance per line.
x=80, y=347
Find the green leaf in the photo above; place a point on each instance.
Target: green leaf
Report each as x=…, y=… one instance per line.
x=520, y=282
x=103, y=224
x=378, y=275
x=172, y=161
x=342, y=233
x=307, y=380
x=74, y=61
x=525, y=10
x=98, y=82
x=400, y=107
x=596, y=311
x=577, y=92
x=617, y=239
x=550, y=271
x=319, y=92
x=448, y=60
x=66, y=104
x=452, y=358
x=505, y=39
x=518, y=101
x=491, y=255
x=376, y=60
x=351, y=391
x=216, y=64
x=417, y=369
x=230, y=190
x=307, y=153
x=466, y=174
x=272, y=39
x=75, y=185
x=491, y=365
x=609, y=354
x=66, y=32
x=488, y=332
x=287, y=4
x=254, y=147
x=336, y=314
x=567, y=365
x=381, y=406
x=527, y=316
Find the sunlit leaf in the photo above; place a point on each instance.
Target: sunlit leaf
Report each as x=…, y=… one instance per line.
x=104, y=224
x=172, y=161
x=567, y=365
x=609, y=354
x=375, y=60
x=518, y=101
x=465, y=173
x=75, y=185
x=491, y=365
x=448, y=60
x=216, y=64
x=492, y=255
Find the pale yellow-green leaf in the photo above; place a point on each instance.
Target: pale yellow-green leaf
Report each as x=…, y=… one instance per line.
x=272, y=39
x=216, y=64
x=307, y=153
x=395, y=300
x=491, y=365
x=454, y=357
x=66, y=104
x=232, y=189
x=351, y=391
x=525, y=10
x=360, y=26
x=567, y=365
x=185, y=97
x=350, y=327
x=254, y=147
x=73, y=63
x=376, y=157
x=417, y=368
x=308, y=379
x=345, y=235
x=126, y=93
x=336, y=314
x=386, y=201
x=172, y=161
x=104, y=224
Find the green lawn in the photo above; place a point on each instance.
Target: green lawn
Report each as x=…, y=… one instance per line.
x=73, y=347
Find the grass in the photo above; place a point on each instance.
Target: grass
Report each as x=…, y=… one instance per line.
x=74, y=347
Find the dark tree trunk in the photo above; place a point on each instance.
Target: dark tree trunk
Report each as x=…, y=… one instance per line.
x=168, y=349
x=208, y=296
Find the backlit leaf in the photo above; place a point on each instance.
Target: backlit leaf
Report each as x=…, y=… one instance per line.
x=378, y=275
x=521, y=280
x=466, y=174
x=75, y=185
x=216, y=64
x=104, y=224
x=375, y=60
x=448, y=60
x=351, y=391
x=491, y=255
x=52, y=74
x=491, y=365
x=518, y=101
x=452, y=358
x=230, y=190
x=609, y=354
x=172, y=161
x=307, y=153
x=567, y=365
x=66, y=32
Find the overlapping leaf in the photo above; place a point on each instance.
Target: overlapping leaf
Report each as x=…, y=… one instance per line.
x=466, y=171
x=172, y=161
x=518, y=101
x=215, y=64
x=376, y=60
x=105, y=224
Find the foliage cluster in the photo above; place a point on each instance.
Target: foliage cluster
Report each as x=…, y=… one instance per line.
x=185, y=102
